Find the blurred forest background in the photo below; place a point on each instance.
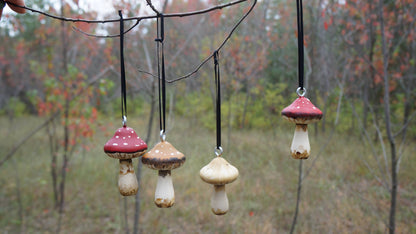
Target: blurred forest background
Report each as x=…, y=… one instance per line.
x=60, y=103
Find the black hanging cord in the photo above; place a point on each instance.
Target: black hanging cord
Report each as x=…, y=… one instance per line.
x=300, y=42
x=218, y=97
x=161, y=72
x=123, y=72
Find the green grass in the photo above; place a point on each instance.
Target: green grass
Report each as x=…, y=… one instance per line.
x=339, y=194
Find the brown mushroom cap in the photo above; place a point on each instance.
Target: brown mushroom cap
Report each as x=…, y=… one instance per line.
x=163, y=156
x=302, y=111
x=125, y=144
x=218, y=172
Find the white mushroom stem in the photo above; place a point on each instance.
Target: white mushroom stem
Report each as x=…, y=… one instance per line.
x=164, y=195
x=219, y=200
x=300, y=148
x=127, y=181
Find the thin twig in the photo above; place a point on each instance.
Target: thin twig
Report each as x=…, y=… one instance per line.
x=148, y=73
x=184, y=14
x=365, y=134
x=295, y=216
x=404, y=127
x=106, y=36
x=218, y=49
x=149, y=3
x=27, y=137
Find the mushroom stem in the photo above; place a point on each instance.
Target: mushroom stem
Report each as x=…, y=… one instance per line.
x=219, y=200
x=164, y=195
x=127, y=181
x=300, y=148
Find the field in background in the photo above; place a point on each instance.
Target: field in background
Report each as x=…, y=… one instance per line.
x=339, y=194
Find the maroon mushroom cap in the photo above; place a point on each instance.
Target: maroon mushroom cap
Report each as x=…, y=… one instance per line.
x=302, y=111
x=125, y=144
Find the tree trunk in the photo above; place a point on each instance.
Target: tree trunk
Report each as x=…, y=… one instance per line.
x=394, y=179
x=148, y=137
x=61, y=197
x=295, y=216
x=243, y=121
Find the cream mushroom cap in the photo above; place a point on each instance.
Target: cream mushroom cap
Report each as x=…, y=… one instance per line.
x=218, y=172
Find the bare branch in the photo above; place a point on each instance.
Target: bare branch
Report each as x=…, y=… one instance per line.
x=295, y=216
x=380, y=138
x=218, y=49
x=27, y=137
x=184, y=14
x=148, y=73
x=405, y=125
x=105, y=36
x=149, y=3
x=374, y=154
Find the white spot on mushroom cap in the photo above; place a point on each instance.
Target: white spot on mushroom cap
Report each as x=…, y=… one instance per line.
x=125, y=143
x=117, y=137
x=132, y=131
x=156, y=151
x=115, y=144
x=124, y=138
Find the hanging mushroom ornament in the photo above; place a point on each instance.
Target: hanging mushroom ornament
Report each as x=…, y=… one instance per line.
x=164, y=157
x=219, y=172
x=301, y=112
x=124, y=146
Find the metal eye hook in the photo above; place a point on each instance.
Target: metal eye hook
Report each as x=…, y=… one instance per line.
x=124, y=122
x=299, y=91
x=218, y=151
x=162, y=135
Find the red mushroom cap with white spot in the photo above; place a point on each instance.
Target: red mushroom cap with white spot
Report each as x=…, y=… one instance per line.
x=302, y=111
x=163, y=156
x=125, y=144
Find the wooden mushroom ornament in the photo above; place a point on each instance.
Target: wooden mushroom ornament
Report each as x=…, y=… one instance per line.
x=125, y=145
x=219, y=172
x=301, y=112
x=164, y=158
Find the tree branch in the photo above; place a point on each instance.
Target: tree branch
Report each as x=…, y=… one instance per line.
x=219, y=47
x=106, y=36
x=27, y=137
x=295, y=216
x=149, y=3
x=184, y=14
